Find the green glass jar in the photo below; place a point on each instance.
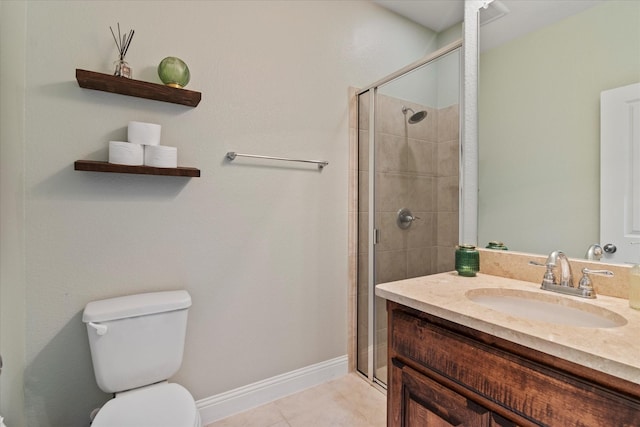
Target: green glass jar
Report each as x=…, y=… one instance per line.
x=467, y=260
x=497, y=246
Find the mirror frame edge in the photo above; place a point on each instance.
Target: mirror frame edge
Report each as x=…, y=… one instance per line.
x=468, y=229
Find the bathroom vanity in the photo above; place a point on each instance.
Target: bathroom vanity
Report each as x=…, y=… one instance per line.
x=453, y=361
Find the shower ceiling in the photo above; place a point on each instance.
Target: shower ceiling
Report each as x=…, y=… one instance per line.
x=524, y=15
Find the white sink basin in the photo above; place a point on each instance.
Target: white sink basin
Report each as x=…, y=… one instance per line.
x=549, y=308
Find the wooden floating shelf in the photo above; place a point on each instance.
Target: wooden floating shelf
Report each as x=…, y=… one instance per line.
x=138, y=88
x=95, y=166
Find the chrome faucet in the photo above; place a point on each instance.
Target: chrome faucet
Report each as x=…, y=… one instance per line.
x=566, y=276
x=594, y=252
x=549, y=282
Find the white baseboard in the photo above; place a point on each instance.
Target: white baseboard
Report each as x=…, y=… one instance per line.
x=250, y=396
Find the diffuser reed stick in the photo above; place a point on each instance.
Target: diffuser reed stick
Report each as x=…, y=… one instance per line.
x=122, y=43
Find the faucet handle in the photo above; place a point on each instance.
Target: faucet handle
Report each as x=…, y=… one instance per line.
x=607, y=273
x=549, y=277
x=585, y=282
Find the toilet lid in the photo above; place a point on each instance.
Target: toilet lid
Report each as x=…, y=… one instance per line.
x=161, y=405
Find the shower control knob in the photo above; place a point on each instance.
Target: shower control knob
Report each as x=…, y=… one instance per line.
x=405, y=218
x=610, y=248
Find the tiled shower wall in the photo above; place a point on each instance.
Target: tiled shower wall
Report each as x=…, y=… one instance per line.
x=417, y=168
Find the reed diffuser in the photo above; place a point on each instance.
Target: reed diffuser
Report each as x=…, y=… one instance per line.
x=122, y=43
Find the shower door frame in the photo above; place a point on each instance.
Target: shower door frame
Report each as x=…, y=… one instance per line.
x=371, y=230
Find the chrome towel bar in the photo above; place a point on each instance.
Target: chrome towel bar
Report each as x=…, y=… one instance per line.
x=231, y=155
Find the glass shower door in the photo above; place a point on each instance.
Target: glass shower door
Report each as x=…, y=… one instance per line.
x=413, y=126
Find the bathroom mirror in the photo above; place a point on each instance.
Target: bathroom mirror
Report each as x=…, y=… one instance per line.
x=539, y=124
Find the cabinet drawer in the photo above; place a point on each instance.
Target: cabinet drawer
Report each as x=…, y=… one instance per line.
x=534, y=391
x=430, y=404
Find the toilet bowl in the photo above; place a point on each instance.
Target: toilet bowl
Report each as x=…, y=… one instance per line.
x=136, y=344
x=158, y=405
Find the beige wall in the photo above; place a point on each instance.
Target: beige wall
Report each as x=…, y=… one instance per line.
x=539, y=106
x=12, y=210
x=262, y=248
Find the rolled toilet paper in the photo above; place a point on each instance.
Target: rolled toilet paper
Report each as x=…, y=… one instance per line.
x=144, y=133
x=161, y=156
x=126, y=153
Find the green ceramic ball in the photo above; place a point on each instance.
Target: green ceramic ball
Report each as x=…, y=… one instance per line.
x=174, y=72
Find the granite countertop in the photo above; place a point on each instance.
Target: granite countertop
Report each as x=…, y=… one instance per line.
x=615, y=350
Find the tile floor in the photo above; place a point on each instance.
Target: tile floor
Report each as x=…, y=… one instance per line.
x=348, y=401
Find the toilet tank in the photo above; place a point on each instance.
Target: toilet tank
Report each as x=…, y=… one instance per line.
x=136, y=340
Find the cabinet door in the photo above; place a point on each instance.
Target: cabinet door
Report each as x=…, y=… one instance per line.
x=533, y=392
x=427, y=403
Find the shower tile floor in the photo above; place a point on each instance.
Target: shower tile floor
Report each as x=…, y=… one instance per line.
x=348, y=401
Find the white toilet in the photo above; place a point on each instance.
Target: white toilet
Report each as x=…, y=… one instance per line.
x=136, y=343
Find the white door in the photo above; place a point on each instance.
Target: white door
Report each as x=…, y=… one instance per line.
x=620, y=173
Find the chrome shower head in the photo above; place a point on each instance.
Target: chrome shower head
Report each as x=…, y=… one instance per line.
x=415, y=117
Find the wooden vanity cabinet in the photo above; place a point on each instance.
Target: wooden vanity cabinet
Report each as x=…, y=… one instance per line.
x=445, y=374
